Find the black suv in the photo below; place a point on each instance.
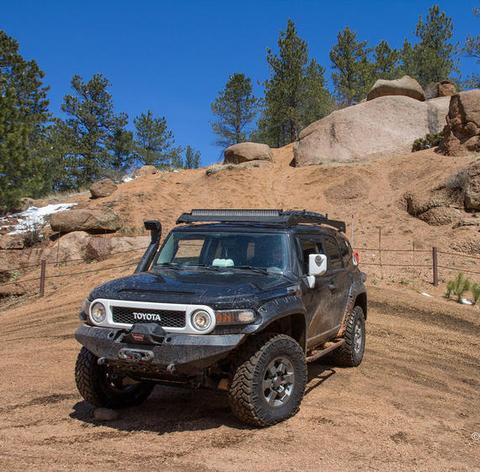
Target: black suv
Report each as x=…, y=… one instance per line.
x=238, y=300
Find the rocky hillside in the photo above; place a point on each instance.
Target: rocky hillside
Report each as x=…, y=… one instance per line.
x=420, y=199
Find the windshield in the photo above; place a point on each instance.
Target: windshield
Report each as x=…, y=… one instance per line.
x=224, y=250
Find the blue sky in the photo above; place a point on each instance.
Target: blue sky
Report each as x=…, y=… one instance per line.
x=174, y=56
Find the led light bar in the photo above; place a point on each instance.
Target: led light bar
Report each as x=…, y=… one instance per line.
x=265, y=216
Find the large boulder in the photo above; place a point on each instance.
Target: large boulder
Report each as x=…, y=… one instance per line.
x=472, y=187
x=92, y=221
x=69, y=247
x=102, y=188
x=129, y=243
x=145, y=170
x=246, y=152
x=462, y=132
x=406, y=86
x=385, y=126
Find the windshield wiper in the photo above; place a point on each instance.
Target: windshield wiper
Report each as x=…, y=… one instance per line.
x=205, y=266
x=261, y=270
x=170, y=265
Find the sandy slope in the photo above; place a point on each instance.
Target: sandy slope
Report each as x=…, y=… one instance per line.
x=370, y=191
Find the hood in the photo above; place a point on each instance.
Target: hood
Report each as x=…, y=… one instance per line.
x=218, y=289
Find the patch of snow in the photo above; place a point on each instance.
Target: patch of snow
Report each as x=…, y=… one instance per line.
x=465, y=301
x=127, y=178
x=33, y=217
x=425, y=294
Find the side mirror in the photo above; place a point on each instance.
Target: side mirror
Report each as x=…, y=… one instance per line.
x=317, y=265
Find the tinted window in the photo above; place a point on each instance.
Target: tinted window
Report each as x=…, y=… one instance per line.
x=333, y=253
x=309, y=246
x=228, y=249
x=345, y=251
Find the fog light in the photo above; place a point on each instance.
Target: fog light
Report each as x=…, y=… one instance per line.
x=98, y=312
x=201, y=320
x=232, y=317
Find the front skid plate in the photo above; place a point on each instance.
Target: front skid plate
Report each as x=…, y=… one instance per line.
x=183, y=351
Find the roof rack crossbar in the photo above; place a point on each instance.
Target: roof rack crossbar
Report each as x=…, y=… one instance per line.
x=268, y=216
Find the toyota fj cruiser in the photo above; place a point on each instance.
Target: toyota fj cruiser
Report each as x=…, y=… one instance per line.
x=238, y=300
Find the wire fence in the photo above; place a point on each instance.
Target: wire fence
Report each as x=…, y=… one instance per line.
x=431, y=266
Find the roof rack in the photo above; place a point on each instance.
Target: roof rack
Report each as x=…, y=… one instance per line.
x=275, y=217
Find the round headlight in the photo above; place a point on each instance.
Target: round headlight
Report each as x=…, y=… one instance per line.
x=98, y=312
x=201, y=320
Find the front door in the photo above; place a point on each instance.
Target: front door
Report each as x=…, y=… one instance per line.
x=326, y=301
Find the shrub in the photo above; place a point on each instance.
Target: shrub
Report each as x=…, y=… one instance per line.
x=475, y=289
x=429, y=141
x=458, y=286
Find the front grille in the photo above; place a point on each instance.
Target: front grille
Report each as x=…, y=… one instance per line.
x=168, y=318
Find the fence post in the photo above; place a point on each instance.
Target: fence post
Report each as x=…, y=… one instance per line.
x=435, y=266
x=380, y=250
x=43, y=271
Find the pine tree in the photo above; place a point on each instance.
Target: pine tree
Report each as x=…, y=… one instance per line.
x=235, y=108
x=472, y=49
x=295, y=94
x=192, y=158
x=315, y=100
x=23, y=115
x=154, y=141
x=432, y=58
x=353, y=74
x=385, y=62
x=90, y=128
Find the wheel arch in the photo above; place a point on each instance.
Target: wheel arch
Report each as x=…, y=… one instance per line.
x=361, y=301
x=291, y=324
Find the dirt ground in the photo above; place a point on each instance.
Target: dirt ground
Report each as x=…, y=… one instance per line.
x=413, y=404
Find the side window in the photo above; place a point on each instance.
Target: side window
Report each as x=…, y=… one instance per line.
x=345, y=251
x=309, y=246
x=333, y=253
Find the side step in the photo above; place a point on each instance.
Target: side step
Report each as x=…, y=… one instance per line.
x=316, y=354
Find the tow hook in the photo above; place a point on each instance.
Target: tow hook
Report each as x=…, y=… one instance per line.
x=135, y=355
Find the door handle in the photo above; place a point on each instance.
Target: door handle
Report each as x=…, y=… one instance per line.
x=332, y=287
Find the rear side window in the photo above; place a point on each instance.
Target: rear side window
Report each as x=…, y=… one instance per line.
x=333, y=253
x=345, y=251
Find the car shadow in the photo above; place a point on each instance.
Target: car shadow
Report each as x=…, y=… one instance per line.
x=317, y=374
x=172, y=409
x=168, y=409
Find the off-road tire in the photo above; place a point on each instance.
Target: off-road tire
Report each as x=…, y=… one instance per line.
x=246, y=395
x=346, y=355
x=90, y=380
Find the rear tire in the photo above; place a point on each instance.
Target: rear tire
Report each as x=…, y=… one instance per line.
x=269, y=381
x=101, y=387
x=350, y=354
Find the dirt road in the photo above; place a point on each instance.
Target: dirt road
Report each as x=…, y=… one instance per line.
x=412, y=405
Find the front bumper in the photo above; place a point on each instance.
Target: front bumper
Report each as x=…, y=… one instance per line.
x=180, y=353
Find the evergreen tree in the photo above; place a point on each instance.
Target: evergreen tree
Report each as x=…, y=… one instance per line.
x=315, y=100
x=472, y=49
x=432, y=58
x=295, y=94
x=192, y=158
x=353, y=74
x=154, y=141
x=90, y=128
x=385, y=62
x=121, y=147
x=23, y=115
x=235, y=108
